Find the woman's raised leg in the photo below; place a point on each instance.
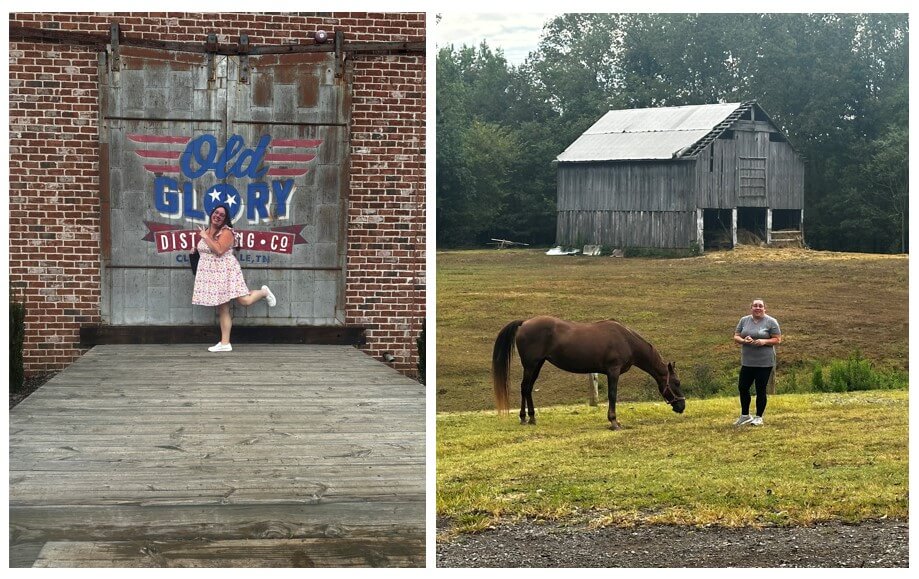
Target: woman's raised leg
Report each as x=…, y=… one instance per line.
x=254, y=296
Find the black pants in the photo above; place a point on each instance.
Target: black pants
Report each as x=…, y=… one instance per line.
x=749, y=375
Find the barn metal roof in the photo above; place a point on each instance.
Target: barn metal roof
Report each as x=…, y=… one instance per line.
x=647, y=134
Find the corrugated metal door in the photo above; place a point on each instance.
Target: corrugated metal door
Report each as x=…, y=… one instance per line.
x=268, y=136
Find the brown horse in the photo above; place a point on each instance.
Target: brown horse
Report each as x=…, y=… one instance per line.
x=605, y=347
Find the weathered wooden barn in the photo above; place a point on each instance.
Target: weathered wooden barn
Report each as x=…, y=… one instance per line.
x=680, y=177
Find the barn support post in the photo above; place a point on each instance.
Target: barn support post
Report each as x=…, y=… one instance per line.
x=593, y=382
x=768, y=226
x=700, y=228
x=734, y=227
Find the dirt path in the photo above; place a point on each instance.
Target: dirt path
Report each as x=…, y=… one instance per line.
x=882, y=543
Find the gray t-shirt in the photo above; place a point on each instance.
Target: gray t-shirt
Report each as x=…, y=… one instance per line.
x=758, y=356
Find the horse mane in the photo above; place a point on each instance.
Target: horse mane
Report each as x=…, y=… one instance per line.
x=653, y=354
x=630, y=331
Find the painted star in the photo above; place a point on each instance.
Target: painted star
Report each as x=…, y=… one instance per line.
x=231, y=200
x=215, y=195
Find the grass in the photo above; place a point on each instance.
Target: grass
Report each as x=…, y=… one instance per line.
x=820, y=457
x=830, y=306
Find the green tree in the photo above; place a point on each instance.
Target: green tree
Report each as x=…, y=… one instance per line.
x=836, y=84
x=476, y=146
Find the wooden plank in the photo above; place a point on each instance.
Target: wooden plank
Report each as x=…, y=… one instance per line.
x=338, y=335
x=296, y=441
x=215, y=521
x=24, y=554
x=331, y=552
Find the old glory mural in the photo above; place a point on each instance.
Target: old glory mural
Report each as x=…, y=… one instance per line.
x=269, y=186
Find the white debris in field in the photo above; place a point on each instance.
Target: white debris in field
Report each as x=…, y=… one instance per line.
x=559, y=251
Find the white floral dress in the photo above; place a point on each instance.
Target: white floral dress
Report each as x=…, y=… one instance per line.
x=219, y=278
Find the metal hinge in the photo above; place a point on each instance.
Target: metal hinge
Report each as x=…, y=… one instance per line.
x=339, y=53
x=115, y=34
x=210, y=48
x=243, y=51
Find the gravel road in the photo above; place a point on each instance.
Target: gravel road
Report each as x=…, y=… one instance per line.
x=883, y=543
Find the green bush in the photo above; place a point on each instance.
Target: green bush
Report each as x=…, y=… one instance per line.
x=420, y=342
x=695, y=249
x=795, y=380
x=854, y=373
x=17, y=337
x=817, y=381
x=703, y=382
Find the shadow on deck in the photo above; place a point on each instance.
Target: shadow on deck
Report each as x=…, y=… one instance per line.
x=269, y=456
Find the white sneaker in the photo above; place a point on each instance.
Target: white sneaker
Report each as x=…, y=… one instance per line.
x=220, y=348
x=757, y=421
x=272, y=301
x=744, y=419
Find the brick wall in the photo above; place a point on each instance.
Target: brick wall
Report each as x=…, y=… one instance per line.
x=54, y=172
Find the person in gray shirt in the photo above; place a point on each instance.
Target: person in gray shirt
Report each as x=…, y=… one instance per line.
x=757, y=334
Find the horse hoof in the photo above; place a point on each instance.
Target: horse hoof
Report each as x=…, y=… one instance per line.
x=533, y=421
x=615, y=426
x=523, y=422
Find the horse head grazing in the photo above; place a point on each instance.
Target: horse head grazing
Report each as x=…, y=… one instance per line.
x=671, y=390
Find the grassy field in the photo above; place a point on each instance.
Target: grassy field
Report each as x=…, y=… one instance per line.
x=819, y=457
x=830, y=306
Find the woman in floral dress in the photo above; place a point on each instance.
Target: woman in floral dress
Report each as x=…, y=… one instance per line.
x=220, y=279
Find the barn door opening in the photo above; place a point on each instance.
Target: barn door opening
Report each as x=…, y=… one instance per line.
x=716, y=229
x=786, y=219
x=267, y=136
x=751, y=225
x=787, y=228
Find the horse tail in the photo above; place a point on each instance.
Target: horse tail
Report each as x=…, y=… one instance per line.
x=500, y=362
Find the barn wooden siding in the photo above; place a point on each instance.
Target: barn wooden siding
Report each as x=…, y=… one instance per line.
x=624, y=186
x=717, y=185
x=665, y=229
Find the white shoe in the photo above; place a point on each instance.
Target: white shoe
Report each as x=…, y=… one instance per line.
x=272, y=301
x=757, y=421
x=744, y=419
x=220, y=348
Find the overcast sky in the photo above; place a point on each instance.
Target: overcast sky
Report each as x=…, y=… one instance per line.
x=516, y=33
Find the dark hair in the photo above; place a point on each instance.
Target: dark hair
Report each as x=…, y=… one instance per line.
x=226, y=211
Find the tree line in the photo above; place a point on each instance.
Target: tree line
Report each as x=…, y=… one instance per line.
x=836, y=84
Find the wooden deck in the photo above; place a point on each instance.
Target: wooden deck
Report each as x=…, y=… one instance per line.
x=169, y=455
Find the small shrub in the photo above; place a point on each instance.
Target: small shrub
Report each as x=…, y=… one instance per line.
x=797, y=381
x=420, y=342
x=704, y=382
x=17, y=338
x=817, y=382
x=695, y=249
x=854, y=373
